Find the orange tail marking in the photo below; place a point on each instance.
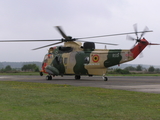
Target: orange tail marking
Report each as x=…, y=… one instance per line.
x=139, y=47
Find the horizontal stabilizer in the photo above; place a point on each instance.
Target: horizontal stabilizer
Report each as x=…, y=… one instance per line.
x=153, y=44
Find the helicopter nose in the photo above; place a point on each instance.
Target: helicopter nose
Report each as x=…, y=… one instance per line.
x=52, y=70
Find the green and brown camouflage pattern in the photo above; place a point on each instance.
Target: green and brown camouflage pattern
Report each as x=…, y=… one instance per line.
x=87, y=62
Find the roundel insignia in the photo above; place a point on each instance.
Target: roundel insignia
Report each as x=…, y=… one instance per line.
x=95, y=58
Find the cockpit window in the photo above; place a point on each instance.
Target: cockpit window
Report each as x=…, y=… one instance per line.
x=46, y=56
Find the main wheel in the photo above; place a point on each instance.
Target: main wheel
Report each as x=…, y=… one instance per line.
x=105, y=79
x=77, y=77
x=48, y=77
x=41, y=73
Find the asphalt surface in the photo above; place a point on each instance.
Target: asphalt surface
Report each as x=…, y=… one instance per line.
x=141, y=84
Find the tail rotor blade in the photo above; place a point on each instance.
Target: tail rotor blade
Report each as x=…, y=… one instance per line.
x=141, y=55
x=135, y=29
x=134, y=44
x=144, y=31
x=130, y=37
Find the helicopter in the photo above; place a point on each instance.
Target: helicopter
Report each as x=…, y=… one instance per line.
x=76, y=59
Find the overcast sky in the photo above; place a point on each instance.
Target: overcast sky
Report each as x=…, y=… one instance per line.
x=35, y=19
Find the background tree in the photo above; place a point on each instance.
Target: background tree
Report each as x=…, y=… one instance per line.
x=151, y=69
x=120, y=71
x=157, y=70
x=30, y=67
x=139, y=68
x=130, y=68
x=8, y=68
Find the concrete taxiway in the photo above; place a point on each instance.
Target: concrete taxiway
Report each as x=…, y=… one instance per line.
x=148, y=84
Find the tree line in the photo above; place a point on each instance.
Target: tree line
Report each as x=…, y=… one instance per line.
x=25, y=68
x=126, y=70
x=137, y=69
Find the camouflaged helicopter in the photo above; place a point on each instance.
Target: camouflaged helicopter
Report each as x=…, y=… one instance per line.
x=73, y=58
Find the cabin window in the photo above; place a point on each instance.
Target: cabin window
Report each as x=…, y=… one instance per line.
x=65, y=60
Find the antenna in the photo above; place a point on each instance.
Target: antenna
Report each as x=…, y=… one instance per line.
x=105, y=47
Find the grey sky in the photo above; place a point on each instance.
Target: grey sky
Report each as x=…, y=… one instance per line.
x=35, y=19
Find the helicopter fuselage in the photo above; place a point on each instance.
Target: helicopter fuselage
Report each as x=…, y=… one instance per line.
x=73, y=59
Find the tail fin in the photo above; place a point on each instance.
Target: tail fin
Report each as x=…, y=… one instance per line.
x=136, y=50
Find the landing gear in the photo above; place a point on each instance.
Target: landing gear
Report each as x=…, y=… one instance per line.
x=104, y=77
x=48, y=77
x=41, y=73
x=77, y=77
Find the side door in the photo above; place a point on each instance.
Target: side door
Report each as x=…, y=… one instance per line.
x=69, y=62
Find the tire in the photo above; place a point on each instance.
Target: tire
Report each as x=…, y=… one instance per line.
x=105, y=79
x=48, y=77
x=77, y=77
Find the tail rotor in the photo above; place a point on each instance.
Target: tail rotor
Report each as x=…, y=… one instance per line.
x=138, y=39
x=141, y=42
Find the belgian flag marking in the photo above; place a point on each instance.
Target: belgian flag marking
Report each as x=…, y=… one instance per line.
x=95, y=58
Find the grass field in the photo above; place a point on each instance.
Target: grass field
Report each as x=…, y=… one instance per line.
x=39, y=101
x=21, y=73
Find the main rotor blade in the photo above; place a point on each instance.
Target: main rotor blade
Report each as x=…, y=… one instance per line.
x=30, y=40
x=114, y=34
x=61, y=31
x=46, y=46
x=99, y=42
x=105, y=43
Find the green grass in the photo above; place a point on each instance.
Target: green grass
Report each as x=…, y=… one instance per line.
x=40, y=101
x=21, y=73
